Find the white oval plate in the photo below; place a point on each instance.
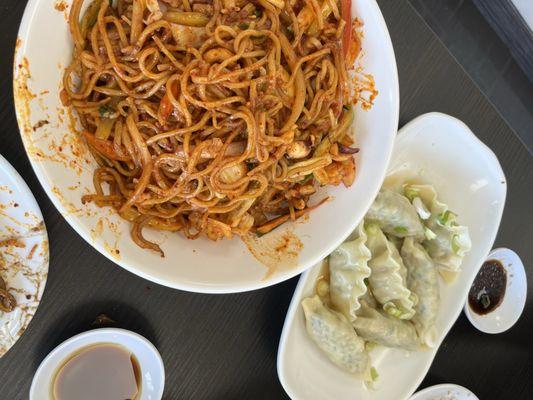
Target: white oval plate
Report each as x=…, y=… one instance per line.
x=468, y=177
x=509, y=311
x=445, y=391
x=24, y=264
x=200, y=265
x=150, y=362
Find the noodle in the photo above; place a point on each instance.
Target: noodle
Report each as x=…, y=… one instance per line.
x=211, y=117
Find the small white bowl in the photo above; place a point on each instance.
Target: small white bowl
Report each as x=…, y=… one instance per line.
x=445, y=391
x=507, y=313
x=150, y=362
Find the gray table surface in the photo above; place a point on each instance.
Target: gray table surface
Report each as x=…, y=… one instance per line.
x=485, y=57
x=224, y=346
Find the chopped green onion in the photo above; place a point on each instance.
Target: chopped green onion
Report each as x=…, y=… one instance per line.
x=374, y=374
x=429, y=234
x=244, y=25
x=370, y=346
x=345, y=107
x=456, y=247
x=443, y=217
x=391, y=309
x=307, y=179
x=446, y=218
x=105, y=111
x=366, y=282
x=258, y=13
x=411, y=192
x=401, y=229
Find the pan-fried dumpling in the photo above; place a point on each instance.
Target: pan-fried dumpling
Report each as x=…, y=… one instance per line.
x=348, y=270
x=395, y=215
x=334, y=335
x=422, y=279
x=388, y=275
x=447, y=242
x=378, y=327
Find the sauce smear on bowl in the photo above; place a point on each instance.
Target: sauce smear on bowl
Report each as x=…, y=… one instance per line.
x=103, y=371
x=488, y=289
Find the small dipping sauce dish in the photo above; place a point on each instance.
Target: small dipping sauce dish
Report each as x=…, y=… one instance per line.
x=498, y=294
x=108, y=363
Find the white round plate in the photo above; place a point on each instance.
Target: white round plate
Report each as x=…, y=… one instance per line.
x=508, y=312
x=23, y=253
x=64, y=168
x=445, y=391
x=474, y=187
x=150, y=362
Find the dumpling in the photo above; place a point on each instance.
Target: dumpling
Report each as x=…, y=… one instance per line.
x=377, y=327
x=447, y=242
x=388, y=275
x=396, y=241
x=334, y=335
x=422, y=279
x=395, y=215
x=348, y=270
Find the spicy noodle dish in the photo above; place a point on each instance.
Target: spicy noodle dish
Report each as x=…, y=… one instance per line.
x=213, y=118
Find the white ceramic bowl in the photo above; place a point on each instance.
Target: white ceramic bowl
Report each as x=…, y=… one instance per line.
x=44, y=49
x=508, y=312
x=445, y=391
x=149, y=359
x=467, y=177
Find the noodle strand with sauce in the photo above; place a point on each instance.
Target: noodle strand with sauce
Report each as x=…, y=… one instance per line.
x=212, y=118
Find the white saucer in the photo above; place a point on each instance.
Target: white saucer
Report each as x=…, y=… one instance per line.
x=446, y=391
x=150, y=362
x=508, y=312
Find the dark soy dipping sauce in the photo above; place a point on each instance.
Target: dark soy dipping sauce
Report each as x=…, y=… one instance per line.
x=488, y=289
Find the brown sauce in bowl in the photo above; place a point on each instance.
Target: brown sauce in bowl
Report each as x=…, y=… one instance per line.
x=101, y=371
x=488, y=289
